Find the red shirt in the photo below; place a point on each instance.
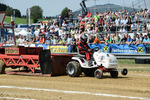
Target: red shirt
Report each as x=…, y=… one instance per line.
x=89, y=14
x=42, y=40
x=82, y=24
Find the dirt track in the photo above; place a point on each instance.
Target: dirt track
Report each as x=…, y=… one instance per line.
x=135, y=84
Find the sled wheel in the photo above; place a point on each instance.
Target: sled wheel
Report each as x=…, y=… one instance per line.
x=114, y=74
x=124, y=71
x=74, y=69
x=98, y=74
x=2, y=67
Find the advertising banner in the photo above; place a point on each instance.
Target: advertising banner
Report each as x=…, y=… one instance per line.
x=128, y=49
x=103, y=47
x=111, y=48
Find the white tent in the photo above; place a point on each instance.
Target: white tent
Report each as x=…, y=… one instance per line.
x=23, y=32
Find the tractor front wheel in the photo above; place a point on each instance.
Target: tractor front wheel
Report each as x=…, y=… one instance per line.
x=98, y=74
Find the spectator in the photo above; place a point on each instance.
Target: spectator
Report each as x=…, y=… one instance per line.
x=69, y=39
x=64, y=25
x=71, y=16
x=48, y=40
x=128, y=25
x=10, y=40
x=145, y=40
x=101, y=38
x=129, y=40
x=59, y=21
x=60, y=41
x=20, y=40
x=42, y=39
x=123, y=40
x=96, y=40
x=73, y=45
x=32, y=30
x=55, y=40
x=82, y=25
x=118, y=40
x=2, y=40
x=138, y=41
x=109, y=40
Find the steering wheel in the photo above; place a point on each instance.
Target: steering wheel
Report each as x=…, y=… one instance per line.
x=95, y=49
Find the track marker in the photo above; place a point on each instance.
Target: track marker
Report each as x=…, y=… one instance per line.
x=74, y=92
x=15, y=98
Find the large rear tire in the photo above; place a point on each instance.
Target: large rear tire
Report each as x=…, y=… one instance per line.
x=2, y=67
x=74, y=69
x=98, y=74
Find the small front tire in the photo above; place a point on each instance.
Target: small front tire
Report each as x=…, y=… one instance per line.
x=98, y=74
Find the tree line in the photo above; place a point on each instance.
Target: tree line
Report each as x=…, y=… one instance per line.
x=9, y=10
x=36, y=12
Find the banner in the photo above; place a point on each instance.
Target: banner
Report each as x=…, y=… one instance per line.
x=103, y=47
x=111, y=48
x=128, y=49
x=45, y=46
x=55, y=48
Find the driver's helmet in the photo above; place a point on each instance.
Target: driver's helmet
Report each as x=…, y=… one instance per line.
x=84, y=38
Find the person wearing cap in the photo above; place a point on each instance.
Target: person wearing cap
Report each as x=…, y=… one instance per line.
x=85, y=49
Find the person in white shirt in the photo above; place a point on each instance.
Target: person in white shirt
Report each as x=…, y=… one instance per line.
x=20, y=40
x=117, y=22
x=63, y=34
x=148, y=26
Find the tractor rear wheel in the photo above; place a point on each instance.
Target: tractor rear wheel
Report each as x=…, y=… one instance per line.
x=98, y=74
x=114, y=74
x=2, y=67
x=74, y=69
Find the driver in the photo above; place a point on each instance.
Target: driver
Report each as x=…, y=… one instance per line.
x=85, y=49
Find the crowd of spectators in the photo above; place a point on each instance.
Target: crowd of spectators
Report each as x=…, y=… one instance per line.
x=108, y=27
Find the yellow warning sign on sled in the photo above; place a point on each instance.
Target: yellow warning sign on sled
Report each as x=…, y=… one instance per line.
x=58, y=49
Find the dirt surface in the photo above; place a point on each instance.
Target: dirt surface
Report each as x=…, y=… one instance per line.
x=136, y=85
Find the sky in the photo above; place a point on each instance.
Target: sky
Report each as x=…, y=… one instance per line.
x=54, y=7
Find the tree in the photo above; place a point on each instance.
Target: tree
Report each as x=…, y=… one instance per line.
x=9, y=11
x=65, y=12
x=17, y=13
x=3, y=7
x=36, y=13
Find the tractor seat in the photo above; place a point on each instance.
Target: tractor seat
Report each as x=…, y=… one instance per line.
x=78, y=53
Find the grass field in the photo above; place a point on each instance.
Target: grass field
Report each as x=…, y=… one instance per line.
x=132, y=66
x=19, y=20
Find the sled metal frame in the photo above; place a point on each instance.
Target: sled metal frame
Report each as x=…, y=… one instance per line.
x=30, y=61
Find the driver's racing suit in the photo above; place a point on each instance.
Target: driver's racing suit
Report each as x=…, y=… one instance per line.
x=83, y=49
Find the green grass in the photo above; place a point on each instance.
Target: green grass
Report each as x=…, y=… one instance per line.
x=126, y=61
x=19, y=20
x=131, y=66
